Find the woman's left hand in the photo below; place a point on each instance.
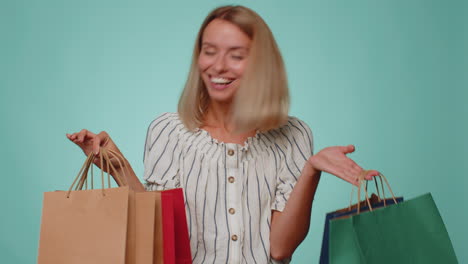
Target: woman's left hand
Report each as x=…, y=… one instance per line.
x=333, y=160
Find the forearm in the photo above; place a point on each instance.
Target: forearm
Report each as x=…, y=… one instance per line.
x=129, y=176
x=123, y=169
x=291, y=226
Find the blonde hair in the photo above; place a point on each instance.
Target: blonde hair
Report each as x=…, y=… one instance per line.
x=262, y=100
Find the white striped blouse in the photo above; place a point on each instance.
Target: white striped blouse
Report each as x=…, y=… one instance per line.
x=230, y=189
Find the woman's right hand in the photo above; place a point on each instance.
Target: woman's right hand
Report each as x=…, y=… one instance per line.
x=90, y=142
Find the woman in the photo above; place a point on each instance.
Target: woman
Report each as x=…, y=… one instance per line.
x=247, y=169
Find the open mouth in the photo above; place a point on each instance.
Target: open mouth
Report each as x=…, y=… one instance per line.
x=219, y=80
x=220, y=83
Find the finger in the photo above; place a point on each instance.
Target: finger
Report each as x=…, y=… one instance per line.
x=86, y=135
x=371, y=174
x=99, y=140
x=349, y=149
x=75, y=138
x=96, y=145
x=72, y=136
x=81, y=135
x=89, y=135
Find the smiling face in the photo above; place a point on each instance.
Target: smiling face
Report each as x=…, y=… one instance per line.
x=223, y=59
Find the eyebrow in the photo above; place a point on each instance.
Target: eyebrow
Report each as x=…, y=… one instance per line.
x=231, y=48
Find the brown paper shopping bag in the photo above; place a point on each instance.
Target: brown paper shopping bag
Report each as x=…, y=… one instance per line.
x=157, y=230
x=144, y=229
x=157, y=224
x=143, y=218
x=112, y=225
x=84, y=226
x=149, y=243
x=163, y=238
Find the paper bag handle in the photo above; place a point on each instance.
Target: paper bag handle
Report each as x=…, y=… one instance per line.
x=84, y=169
x=361, y=180
x=105, y=160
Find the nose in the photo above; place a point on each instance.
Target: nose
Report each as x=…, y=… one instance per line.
x=220, y=64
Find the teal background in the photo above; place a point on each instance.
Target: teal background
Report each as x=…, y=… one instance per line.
x=387, y=76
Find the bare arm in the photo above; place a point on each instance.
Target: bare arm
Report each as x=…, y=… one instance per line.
x=130, y=177
x=89, y=141
x=290, y=227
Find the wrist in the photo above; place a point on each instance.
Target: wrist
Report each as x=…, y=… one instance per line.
x=311, y=163
x=310, y=167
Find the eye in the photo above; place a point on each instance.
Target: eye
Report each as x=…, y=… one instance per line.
x=237, y=57
x=238, y=54
x=208, y=52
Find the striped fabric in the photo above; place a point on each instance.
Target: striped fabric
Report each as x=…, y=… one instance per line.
x=230, y=189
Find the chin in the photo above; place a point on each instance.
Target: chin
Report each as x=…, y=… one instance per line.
x=224, y=96
x=221, y=98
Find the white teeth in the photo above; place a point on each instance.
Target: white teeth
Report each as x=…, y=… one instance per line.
x=220, y=80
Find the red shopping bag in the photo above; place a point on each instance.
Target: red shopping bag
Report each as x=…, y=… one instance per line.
x=175, y=229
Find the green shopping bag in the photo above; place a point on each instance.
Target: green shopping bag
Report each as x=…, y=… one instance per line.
x=408, y=232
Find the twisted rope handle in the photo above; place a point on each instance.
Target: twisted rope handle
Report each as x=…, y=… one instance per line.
x=361, y=180
x=82, y=177
x=82, y=173
x=120, y=179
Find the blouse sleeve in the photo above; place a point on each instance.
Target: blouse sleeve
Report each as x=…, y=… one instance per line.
x=295, y=149
x=162, y=154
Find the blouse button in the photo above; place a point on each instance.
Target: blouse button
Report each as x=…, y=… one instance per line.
x=234, y=237
x=230, y=152
x=231, y=179
x=232, y=211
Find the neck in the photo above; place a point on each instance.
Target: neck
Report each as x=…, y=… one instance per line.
x=218, y=115
x=218, y=123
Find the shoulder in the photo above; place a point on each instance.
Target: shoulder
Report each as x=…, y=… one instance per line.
x=166, y=125
x=294, y=127
x=297, y=126
x=164, y=120
x=295, y=132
